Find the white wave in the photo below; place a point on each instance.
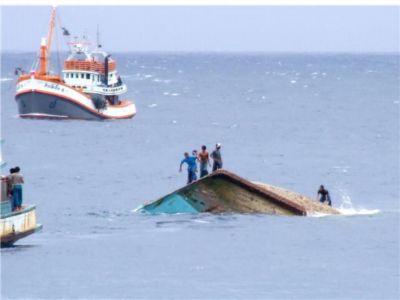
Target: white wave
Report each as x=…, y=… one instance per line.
x=347, y=207
x=5, y=79
x=160, y=80
x=358, y=211
x=152, y=105
x=201, y=221
x=317, y=214
x=137, y=209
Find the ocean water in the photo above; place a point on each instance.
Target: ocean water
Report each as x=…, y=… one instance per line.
x=295, y=121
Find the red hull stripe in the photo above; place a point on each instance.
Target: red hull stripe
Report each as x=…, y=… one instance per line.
x=79, y=104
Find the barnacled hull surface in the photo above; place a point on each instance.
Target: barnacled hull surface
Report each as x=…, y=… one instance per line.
x=223, y=191
x=42, y=105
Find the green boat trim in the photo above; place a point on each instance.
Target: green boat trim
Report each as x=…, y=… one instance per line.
x=24, y=210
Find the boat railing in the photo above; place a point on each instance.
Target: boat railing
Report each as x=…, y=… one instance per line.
x=84, y=65
x=116, y=90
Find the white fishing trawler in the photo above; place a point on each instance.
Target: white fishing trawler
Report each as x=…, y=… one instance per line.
x=89, y=87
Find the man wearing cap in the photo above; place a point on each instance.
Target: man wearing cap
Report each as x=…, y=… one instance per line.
x=216, y=156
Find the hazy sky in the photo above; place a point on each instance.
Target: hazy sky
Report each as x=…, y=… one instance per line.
x=211, y=28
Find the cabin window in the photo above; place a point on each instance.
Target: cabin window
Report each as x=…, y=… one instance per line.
x=88, y=76
x=82, y=75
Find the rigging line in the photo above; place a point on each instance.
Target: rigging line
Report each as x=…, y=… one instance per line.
x=58, y=54
x=58, y=17
x=35, y=62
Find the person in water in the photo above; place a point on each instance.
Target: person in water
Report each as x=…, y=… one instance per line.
x=204, y=159
x=324, y=196
x=191, y=162
x=216, y=156
x=16, y=181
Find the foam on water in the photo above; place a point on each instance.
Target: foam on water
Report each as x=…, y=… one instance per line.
x=347, y=207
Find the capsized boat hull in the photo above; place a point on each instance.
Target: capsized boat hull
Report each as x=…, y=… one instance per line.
x=18, y=224
x=223, y=191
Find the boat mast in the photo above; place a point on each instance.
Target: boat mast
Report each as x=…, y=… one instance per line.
x=45, y=45
x=98, y=45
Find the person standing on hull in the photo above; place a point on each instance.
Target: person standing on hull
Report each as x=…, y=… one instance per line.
x=204, y=159
x=192, y=167
x=195, y=154
x=16, y=181
x=216, y=156
x=324, y=196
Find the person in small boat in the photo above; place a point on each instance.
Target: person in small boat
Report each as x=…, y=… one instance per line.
x=16, y=181
x=10, y=189
x=323, y=195
x=216, y=156
x=204, y=160
x=191, y=162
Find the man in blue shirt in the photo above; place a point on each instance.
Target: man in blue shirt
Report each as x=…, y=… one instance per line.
x=191, y=161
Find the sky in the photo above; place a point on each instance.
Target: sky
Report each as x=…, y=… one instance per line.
x=211, y=28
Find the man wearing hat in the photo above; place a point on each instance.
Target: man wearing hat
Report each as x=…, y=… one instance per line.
x=216, y=156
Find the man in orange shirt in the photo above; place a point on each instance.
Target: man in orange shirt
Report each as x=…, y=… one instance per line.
x=204, y=161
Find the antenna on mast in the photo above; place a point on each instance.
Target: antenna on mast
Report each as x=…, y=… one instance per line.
x=98, y=37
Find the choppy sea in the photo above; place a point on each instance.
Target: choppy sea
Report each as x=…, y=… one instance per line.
x=291, y=120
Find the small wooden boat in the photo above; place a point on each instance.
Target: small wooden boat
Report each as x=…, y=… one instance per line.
x=223, y=191
x=14, y=225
